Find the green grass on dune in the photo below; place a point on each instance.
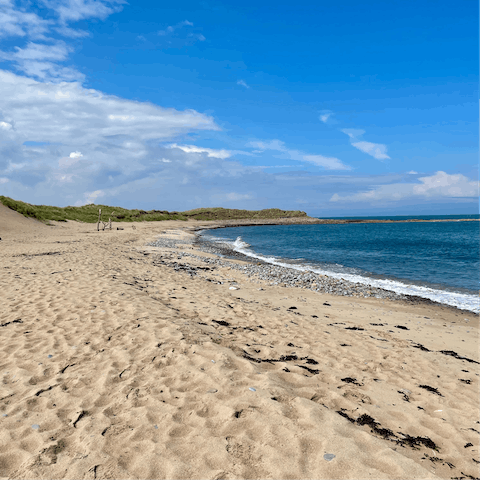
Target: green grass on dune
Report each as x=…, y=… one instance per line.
x=86, y=213
x=232, y=214
x=89, y=213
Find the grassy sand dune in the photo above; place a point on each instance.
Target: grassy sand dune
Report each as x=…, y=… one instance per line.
x=89, y=213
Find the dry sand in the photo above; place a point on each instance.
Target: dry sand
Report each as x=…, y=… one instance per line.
x=114, y=365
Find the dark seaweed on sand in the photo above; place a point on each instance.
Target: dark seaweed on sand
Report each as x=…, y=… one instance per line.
x=456, y=355
x=351, y=380
x=387, y=434
x=421, y=347
x=431, y=389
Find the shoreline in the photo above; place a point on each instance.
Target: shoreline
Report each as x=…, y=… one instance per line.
x=365, y=289
x=119, y=360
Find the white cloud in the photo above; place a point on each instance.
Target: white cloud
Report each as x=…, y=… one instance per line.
x=439, y=185
x=172, y=28
x=45, y=60
x=16, y=22
x=324, y=118
x=376, y=150
x=75, y=10
x=41, y=61
x=243, y=83
x=3, y=180
x=212, y=153
x=119, y=137
x=353, y=132
x=69, y=114
x=165, y=160
x=330, y=163
x=268, y=145
x=325, y=115
x=445, y=185
x=412, y=172
x=39, y=51
x=90, y=197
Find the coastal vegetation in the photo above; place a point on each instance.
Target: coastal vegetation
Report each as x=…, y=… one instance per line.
x=89, y=213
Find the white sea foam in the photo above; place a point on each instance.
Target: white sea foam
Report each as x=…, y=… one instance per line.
x=454, y=299
x=239, y=244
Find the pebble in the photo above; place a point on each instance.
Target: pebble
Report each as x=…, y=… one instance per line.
x=49, y=356
x=35, y=426
x=329, y=457
x=252, y=389
x=274, y=274
x=212, y=390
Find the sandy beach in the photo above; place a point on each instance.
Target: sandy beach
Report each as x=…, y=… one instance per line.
x=126, y=361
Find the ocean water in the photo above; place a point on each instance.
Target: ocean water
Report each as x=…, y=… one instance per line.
x=435, y=260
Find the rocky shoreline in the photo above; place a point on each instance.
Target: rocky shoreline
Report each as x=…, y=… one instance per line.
x=257, y=270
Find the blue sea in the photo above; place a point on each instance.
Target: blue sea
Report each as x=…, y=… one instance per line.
x=435, y=260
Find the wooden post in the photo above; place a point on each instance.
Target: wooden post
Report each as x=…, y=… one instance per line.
x=99, y=219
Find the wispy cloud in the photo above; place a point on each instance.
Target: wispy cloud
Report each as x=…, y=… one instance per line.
x=329, y=163
x=439, y=185
x=90, y=197
x=42, y=61
x=42, y=55
x=172, y=28
x=262, y=145
x=243, y=83
x=17, y=22
x=176, y=37
x=212, y=153
x=74, y=10
x=375, y=150
x=353, y=132
x=325, y=115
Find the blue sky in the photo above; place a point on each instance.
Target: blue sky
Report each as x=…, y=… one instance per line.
x=337, y=109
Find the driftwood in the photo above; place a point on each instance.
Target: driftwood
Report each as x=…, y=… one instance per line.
x=104, y=224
